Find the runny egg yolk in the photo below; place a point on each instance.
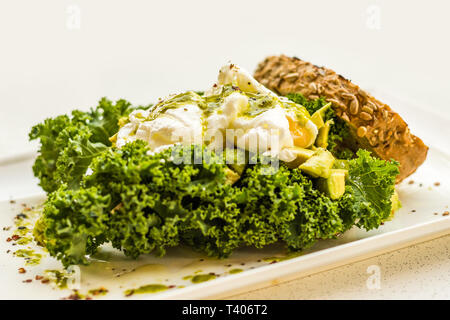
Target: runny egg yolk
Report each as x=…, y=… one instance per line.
x=300, y=134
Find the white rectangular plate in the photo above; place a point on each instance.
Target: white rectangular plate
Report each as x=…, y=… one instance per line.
x=421, y=218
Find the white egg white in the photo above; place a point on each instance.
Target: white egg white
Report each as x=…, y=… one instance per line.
x=268, y=132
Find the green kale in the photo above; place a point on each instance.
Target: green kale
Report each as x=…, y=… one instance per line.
x=310, y=105
x=145, y=203
x=369, y=189
x=157, y=200
x=74, y=223
x=44, y=167
x=69, y=143
x=148, y=203
x=318, y=217
x=76, y=152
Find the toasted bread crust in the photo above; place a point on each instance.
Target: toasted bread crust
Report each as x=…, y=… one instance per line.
x=373, y=124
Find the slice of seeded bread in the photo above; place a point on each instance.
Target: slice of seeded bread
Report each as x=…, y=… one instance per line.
x=373, y=124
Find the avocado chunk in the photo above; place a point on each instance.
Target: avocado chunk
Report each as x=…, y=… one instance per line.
x=236, y=160
x=317, y=119
x=395, y=205
x=322, y=137
x=301, y=155
x=231, y=176
x=319, y=115
x=341, y=164
x=334, y=185
x=238, y=168
x=319, y=165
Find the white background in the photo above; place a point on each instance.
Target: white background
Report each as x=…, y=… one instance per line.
x=141, y=50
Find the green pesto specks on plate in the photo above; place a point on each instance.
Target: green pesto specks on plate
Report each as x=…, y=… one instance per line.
x=150, y=288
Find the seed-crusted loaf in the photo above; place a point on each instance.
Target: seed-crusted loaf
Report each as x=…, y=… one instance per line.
x=373, y=125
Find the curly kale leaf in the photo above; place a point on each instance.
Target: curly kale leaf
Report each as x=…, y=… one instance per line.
x=44, y=166
x=69, y=143
x=318, y=217
x=369, y=189
x=103, y=120
x=75, y=155
x=75, y=223
x=284, y=207
x=156, y=198
x=310, y=105
x=152, y=202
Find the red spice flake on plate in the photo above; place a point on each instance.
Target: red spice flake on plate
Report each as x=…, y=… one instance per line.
x=39, y=277
x=74, y=296
x=437, y=184
x=27, y=281
x=15, y=237
x=98, y=291
x=22, y=270
x=129, y=293
x=446, y=213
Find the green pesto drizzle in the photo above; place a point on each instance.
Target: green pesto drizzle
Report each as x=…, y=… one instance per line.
x=283, y=258
x=31, y=257
x=258, y=103
x=98, y=292
x=24, y=240
x=202, y=278
x=149, y=288
x=59, y=278
x=176, y=101
x=234, y=271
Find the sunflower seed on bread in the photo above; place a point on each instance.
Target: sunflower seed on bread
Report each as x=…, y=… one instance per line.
x=373, y=124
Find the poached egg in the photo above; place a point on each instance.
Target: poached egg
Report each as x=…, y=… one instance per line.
x=235, y=111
